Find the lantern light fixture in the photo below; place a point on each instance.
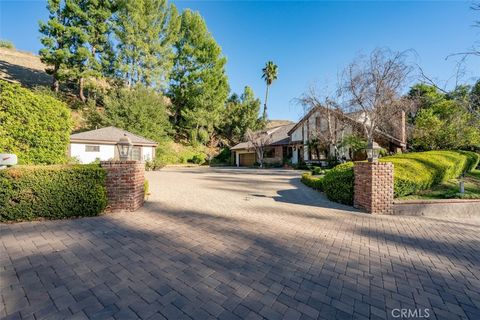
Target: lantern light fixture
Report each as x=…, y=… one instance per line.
x=373, y=151
x=124, y=146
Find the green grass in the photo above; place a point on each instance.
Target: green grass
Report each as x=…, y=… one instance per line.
x=450, y=189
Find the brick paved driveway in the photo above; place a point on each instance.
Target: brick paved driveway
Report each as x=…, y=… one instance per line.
x=239, y=244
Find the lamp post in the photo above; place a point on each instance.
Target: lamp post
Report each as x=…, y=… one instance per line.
x=373, y=150
x=124, y=146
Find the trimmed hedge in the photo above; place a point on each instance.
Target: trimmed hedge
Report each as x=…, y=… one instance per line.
x=33, y=125
x=313, y=182
x=52, y=192
x=421, y=170
x=338, y=183
x=412, y=172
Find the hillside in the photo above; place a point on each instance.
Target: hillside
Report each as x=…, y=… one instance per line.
x=23, y=67
x=277, y=123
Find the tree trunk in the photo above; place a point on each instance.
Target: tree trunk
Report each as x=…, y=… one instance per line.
x=80, y=89
x=265, y=104
x=55, y=84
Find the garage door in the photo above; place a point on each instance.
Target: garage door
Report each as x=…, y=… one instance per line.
x=247, y=159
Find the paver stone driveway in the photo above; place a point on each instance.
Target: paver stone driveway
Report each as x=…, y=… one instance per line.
x=240, y=244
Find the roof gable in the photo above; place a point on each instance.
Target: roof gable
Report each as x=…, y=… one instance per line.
x=110, y=135
x=278, y=136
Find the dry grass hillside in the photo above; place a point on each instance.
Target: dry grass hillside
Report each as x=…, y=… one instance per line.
x=23, y=67
x=277, y=123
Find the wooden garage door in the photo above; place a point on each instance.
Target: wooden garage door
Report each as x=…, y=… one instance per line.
x=247, y=159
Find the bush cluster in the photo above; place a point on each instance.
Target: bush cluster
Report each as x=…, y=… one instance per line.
x=338, y=183
x=412, y=172
x=313, y=182
x=421, y=170
x=52, y=192
x=33, y=125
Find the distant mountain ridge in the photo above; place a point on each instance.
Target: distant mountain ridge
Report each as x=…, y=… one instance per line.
x=277, y=123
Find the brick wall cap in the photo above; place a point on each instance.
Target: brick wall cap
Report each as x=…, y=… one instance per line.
x=121, y=162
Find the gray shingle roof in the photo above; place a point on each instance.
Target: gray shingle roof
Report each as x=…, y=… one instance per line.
x=278, y=137
x=109, y=135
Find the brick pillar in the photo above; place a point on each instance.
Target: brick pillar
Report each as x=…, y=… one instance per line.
x=374, y=187
x=124, y=183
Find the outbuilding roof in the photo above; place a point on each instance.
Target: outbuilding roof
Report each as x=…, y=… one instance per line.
x=278, y=137
x=110, y=135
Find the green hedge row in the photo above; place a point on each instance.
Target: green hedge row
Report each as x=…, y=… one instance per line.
x=314, y=182
x=421, y=170
x=338, y=183
x=412, y=172
x=53, y=192
x=33, y=125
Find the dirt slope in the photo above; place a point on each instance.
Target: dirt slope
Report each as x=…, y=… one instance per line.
x=23, y=67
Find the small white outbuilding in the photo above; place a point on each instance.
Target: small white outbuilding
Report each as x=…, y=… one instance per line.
x=101, y=144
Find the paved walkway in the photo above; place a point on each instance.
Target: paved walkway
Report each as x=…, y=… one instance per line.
x=240, y=244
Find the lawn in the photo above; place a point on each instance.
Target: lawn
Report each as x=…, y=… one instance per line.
x=451, y=189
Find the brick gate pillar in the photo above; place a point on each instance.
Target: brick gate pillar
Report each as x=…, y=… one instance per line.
x=125, y=184
x=373, y=190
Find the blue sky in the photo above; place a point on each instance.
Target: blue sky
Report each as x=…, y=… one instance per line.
x=310, y=41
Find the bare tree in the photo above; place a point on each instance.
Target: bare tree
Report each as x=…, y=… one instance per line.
x=330, y=114
x=259, y=141
x=373, y=86
x=475, y=49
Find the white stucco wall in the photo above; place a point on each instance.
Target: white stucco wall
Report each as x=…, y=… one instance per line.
x=147, y=153
x=297, y=134
x=77, y=150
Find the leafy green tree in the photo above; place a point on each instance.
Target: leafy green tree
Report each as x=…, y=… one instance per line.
x=269, y=74
x=145, y=31
x=475, y=98
x=241, y=114
x=139, y=110
x=198, y=83
x=33, y=125
x=442, y=120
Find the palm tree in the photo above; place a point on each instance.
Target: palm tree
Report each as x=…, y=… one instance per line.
x=270, y=73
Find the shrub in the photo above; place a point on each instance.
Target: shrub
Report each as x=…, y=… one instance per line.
x=421, y=170
x=146, y=189
x=154, y=165
x=412, y=172
x=338, y=183
x=33, y=125
x=317, y=171
x=53, y=192
x=313, y=182
x=198, y=158
x=6, y=44
x=223, y=157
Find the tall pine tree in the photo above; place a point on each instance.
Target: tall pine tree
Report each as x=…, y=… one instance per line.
x=57, y=37
x=145, y=30
x=198, y=83
x=76, y=40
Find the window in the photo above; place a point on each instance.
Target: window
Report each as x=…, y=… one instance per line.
x=318, y=123
x=90, y=148
x=270, y=153
x=137, y=153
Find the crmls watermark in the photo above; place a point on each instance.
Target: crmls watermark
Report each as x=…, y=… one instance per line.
x=411, y=313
